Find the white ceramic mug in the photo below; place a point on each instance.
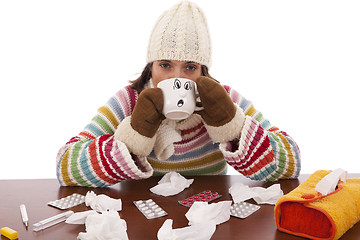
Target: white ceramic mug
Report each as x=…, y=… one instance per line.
x=179, y=98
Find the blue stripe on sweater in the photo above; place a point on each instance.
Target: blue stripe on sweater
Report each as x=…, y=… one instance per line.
x=266, y=124
x=244, y=104
x=296, y=152
x=273, y=144
x=94, y=129
x=115, y=106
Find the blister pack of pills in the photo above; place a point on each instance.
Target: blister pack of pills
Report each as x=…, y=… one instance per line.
x=150, y=209
x=68, y=202
x=204, y=196
x=243, y=209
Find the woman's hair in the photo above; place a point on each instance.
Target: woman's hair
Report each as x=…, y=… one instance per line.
x=139, y=83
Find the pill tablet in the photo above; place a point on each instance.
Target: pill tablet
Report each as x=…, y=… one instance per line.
x=243, y=209
x=68, y=202
x=204, y=196
x=149, y=208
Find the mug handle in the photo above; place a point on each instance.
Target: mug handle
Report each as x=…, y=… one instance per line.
x=198, y=106
x=197, y=109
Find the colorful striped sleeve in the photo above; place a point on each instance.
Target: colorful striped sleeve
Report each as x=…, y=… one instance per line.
x=94, y=158
x=262, y=152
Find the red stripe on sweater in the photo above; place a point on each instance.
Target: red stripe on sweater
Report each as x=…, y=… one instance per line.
x=273, y=129
x=87, y=135
x=95, y=163
x=187, y=131
x=227, y=88
x=117, y=169
x=268, y=158
x=132, y=97
x=105, y=163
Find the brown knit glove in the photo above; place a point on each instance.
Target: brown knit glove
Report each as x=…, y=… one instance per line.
x=219, y=109
x=147, y=117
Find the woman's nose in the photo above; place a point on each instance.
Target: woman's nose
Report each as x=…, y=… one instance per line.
x=177, y=73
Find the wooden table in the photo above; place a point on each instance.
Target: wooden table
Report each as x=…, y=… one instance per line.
x=35, y=194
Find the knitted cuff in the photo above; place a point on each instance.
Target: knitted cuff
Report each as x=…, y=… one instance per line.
x=229, y=131
x=133, y=166
x=134, y=141
x=252, y=156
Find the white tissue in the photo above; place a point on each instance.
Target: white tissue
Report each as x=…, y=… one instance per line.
x=170, y=184
x=203, y=218
x=328, y=183
x=79, y=217
x=102, y=202
x=201, y=212
x=107, y=225
x=241, y=193
x=202, y=231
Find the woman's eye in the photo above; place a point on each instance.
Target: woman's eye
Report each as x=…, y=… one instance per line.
x=164, y=65
x=191, y=67
x=177, y=84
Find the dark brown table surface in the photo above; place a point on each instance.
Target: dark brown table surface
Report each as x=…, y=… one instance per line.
x=36, y=193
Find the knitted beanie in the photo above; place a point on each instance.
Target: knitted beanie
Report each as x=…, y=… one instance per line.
x=181, y=33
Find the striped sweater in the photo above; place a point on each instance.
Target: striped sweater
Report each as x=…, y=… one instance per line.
x=96, y=158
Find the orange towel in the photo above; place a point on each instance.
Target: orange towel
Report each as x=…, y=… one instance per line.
x=306, y=213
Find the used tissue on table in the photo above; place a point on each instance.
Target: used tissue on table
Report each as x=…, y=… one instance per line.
x=79, y=217
x=202, y=231
x=170, y=184
x=203, y=212
x=107, y=225
x=102, y=202
x=203, y=218
x=241, y=192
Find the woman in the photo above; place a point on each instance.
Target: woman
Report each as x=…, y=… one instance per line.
x=129, y=138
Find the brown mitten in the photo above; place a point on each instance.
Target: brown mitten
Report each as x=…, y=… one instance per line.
x=219, y=109
x=147, y=117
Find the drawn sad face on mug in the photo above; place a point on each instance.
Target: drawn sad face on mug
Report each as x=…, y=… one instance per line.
x=181, y=90
x=179, y=97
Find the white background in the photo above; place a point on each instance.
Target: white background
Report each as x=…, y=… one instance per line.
x=297, y=61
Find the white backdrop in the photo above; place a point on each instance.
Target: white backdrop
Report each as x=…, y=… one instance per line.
x=297, y=61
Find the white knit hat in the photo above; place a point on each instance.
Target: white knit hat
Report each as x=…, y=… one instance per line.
x=181, y=33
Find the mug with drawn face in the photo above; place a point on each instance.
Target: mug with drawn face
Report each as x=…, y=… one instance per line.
x=179, y=98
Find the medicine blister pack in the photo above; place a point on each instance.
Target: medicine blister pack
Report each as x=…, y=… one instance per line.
x=204, y=196
x=243, y=209
x=68, y=202
x=149, y=208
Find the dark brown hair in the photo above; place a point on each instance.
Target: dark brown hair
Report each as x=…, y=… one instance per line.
x=139, y=83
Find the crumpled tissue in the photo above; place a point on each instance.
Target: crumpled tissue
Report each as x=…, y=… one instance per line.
x=79, y=217
x=241, y=193
x=202, y=231
x=100, y=226
x=102, y=202
x=107, y=225
x=328, y=183
x=201, y=212
x=171, y=184
x=203, y=218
